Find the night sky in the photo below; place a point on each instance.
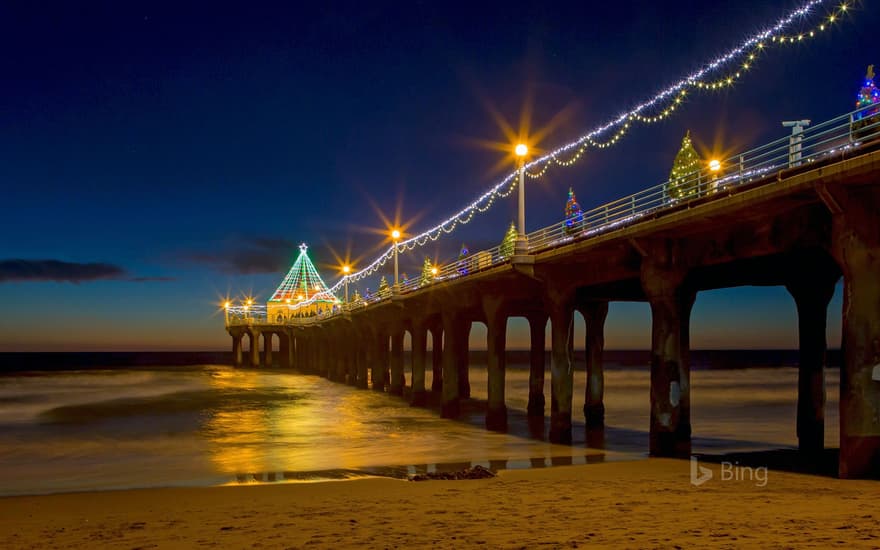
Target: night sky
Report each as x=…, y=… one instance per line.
x=156, y=158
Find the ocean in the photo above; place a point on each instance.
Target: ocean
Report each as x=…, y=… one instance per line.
x=83, y=422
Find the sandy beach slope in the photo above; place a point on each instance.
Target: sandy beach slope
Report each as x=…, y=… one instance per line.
x=640, y=504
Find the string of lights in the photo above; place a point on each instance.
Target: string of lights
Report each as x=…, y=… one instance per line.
x=700, y=85
x=663, y=104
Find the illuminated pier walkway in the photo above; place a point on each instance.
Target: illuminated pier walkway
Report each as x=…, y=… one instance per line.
x=797, y=212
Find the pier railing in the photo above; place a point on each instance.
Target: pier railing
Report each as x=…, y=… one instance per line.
x=763, y=165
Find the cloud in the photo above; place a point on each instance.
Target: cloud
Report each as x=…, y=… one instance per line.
x=15, y=270
x=249, y=256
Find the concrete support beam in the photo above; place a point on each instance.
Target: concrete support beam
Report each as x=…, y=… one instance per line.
x=456, y=334
x=379, y=361
x=294, y=349
x=319, y=353
x=255, y=348
x=561, y=369
x=671, y=302
x=362, y=361
x=855, y=245
x=236, y=349
x=314, y=363
x=304, y=345
x=418, y=358
x=328, y=355
x=398, y=379
x=351, y=357
x=537, y=360
x=812, y=289
x=437, y=358
x=595, y=314
x=324, y=349
x=284, y=350
x=340, y=351
x=463, y=361
x=267, y=349
x=496, y=344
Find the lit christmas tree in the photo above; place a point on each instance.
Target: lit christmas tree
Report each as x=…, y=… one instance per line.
x=427, y=273
x=574, y=216
x=356, y=299
x=508, y=244
x=384, y=290
x=685, y=172
x=463, y=260
x=868, y=95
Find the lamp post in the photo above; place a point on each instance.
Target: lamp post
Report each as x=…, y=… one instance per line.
x=395, y=236
x=346, y=269
x=522, y=244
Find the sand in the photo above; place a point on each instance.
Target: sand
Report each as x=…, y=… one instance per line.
x=639, y=504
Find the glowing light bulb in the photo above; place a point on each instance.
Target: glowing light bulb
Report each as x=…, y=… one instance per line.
x=434, y=271
x=395, y=234
x=714, y=165
x=521, y=150
x=226, y=305
x=346, y=269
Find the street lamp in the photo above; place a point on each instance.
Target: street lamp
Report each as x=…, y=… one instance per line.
x=395, y=236
x=346, y=269
x=522, y=244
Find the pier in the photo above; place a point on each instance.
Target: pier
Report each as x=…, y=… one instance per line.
x=800, y=216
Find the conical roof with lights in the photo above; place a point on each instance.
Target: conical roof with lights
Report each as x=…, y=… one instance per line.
x=302, y=283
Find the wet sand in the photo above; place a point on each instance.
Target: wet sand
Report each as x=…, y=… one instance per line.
x=638, y=504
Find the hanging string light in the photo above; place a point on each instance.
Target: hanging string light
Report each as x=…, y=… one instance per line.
x=669, y=108
x=662, y=105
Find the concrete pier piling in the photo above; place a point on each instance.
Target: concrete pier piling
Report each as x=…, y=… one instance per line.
x=537, y=363
x=671, y=301
x=594, y=396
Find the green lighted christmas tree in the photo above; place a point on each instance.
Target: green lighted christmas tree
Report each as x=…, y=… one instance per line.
x=427, y=272
x=383, y=287
x=356, y=299
x=574, y=216
x=508, y=244
x=685, y=171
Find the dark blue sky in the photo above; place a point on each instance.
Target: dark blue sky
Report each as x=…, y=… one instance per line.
x=187, y=150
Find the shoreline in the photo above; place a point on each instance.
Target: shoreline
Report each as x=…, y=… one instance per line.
x=638, y=503
x=393, y=472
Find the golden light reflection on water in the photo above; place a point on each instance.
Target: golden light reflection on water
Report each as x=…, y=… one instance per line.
x=279, y=422
x=291, y=423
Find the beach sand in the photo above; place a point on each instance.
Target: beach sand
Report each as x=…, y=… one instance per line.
x=638, y=504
